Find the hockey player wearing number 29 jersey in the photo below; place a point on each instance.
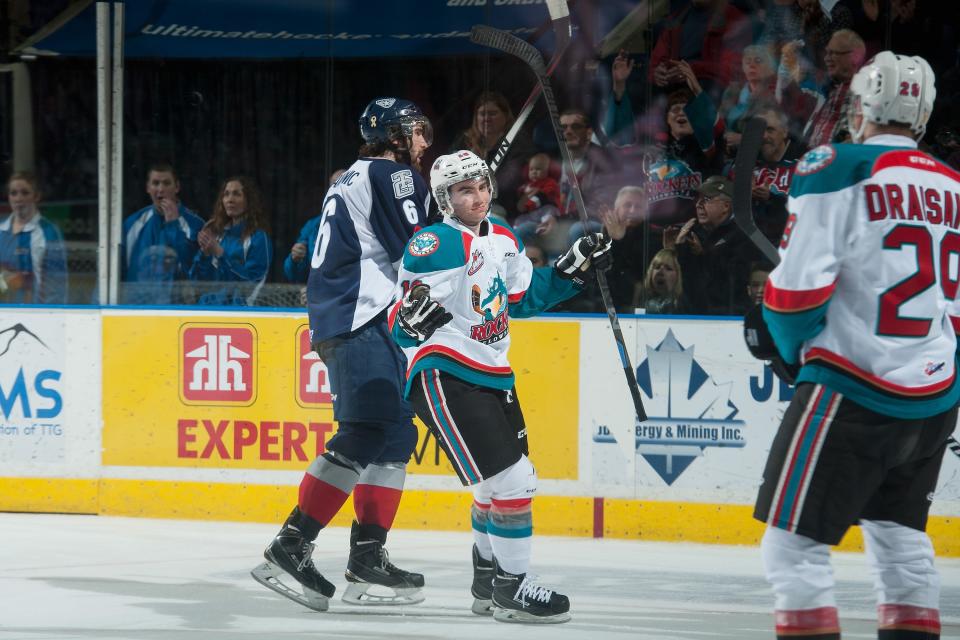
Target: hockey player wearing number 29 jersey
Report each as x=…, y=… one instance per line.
x=463, y=279
x=864, y=302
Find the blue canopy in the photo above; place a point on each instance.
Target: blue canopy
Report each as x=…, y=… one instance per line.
x=298, y=28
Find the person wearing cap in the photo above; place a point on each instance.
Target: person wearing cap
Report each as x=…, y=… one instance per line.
x=715, y=255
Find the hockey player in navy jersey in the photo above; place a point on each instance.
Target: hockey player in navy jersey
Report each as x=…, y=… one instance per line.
x=369, y=215
x=862, y=309
x=464, y=278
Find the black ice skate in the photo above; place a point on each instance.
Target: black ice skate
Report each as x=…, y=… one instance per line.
x=369, y=566
x=482, y=588
x=517, y=598
x=289, y=553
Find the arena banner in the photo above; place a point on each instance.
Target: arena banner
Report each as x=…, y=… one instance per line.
x=713, y=411
x=245, y=392
x=49, y=411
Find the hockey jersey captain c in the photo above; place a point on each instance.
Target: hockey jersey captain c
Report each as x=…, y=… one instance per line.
x=865, y=295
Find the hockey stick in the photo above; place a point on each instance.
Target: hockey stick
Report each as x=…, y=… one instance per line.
x=514, y=46
x=560, y=16
x=743, y=204
x=743, y=187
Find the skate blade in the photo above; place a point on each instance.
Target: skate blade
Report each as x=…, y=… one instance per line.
x=482, y=607
x=268, y=574
x=358, y=593
x=522, y=617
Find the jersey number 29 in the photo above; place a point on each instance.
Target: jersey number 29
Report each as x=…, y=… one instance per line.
x=890, y=322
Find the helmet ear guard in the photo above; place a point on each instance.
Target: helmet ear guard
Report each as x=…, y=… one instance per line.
x=454, y=168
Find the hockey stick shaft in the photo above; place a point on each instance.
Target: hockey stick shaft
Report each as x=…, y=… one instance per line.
x=523, y=50
x=560, y=17
x=746, y=160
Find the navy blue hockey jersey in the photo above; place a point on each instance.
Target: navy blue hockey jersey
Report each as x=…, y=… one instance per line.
x=369, y=215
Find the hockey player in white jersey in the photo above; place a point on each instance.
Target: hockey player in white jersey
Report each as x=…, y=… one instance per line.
x=369, y=214
x=862, y=308
x=464, y=279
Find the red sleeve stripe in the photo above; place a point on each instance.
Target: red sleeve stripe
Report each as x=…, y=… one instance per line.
x=467, y=243
x=818, y=353
x=913, y=159
x=789, y=301
x=514, y=298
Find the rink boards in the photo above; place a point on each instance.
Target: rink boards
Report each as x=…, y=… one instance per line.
x=215, y=415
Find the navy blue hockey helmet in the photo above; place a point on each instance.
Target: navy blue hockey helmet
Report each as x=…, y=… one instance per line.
x=387, y=119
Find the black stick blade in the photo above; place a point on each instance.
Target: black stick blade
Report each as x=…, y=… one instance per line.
x=510, y=44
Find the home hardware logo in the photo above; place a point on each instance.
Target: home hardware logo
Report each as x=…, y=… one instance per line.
x=218, y=364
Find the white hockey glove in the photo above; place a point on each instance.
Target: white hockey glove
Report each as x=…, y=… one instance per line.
x=420, y=316
x=591, y=251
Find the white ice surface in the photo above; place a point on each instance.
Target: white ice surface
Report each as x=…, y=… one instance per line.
x=88, y=577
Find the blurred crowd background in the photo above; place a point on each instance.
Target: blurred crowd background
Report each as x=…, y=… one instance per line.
x=226, y=162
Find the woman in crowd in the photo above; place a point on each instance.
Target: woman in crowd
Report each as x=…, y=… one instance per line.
x=235, y=249
x=492, y=118
x=663, y=285
x=33, y=261
x=759, y=86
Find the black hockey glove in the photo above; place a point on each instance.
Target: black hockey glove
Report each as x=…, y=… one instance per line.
x=591, y=251
x=761, y=345
x=420, y=316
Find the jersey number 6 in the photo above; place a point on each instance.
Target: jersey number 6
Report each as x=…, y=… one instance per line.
x=323, y=237
x=890, y=322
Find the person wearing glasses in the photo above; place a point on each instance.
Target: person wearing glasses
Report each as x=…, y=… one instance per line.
x=824, y=113
x=714, y=254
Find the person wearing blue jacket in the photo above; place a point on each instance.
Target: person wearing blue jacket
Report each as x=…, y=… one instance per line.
x=159, y=241
x=33, y=260
x=235, y=249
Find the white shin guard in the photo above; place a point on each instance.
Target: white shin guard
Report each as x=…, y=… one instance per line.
x=798, y=569
x=510, y=520
x=901, y=560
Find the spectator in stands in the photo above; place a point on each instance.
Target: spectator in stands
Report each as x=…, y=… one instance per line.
x=819, y=26
x=773, y=172
x=597, y=174
x=692, y=151
x=759, y=272
x=159, y=242
x=826, y=113
x=538, y=199
x=783, y=23
x=492, y=118
x=33, y=261
x=758, y=86
x=715, y=255
x=662, y=291
x=709, y=35
x=634, y=242
x=296, y=268
x=235, y=249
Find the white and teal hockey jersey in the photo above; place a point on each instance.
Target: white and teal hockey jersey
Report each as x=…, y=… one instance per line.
x=483, y=280
x=865, y=296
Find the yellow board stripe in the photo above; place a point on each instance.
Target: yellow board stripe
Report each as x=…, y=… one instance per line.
x=437, y=510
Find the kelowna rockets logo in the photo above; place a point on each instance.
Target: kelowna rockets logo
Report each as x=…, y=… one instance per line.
x=687, y=410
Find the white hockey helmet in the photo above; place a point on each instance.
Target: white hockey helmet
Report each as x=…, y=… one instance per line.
x=891, y=88
x=457, y=167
